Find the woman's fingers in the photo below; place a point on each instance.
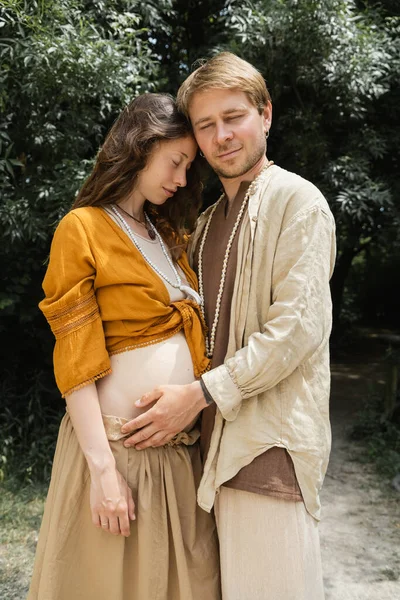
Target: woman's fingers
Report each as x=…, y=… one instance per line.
x=117, y=521
x=114, y=525
x=95, y=518
x=124, y=525
x=112, y=504
x=120, y=514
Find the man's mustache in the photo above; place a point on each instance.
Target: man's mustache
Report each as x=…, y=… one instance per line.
x=224, y=150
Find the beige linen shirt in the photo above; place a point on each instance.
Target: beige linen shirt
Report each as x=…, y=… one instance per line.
x=273, y=389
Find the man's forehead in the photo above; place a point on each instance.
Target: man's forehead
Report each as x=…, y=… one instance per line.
x=210, y=103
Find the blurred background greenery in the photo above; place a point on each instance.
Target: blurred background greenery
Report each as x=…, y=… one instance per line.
x=67, y=67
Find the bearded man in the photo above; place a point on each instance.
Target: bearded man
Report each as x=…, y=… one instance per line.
x=264, y=253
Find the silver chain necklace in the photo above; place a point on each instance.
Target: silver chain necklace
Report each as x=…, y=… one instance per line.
x=186, y=289
x=210, y=340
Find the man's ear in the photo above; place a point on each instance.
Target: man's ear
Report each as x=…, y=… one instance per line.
x=267, y=116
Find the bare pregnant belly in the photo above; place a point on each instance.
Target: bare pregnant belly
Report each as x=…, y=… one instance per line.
x=138, y=371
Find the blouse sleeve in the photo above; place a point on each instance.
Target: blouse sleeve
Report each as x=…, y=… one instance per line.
x=71, y=309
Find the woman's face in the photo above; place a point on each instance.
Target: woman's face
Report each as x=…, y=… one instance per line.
x=166, y=170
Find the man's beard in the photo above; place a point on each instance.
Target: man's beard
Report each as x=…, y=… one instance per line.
x=242, y=169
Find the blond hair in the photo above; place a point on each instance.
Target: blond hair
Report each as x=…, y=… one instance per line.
x=224, y=71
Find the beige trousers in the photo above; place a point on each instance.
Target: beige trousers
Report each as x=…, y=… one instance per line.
x=269, y=548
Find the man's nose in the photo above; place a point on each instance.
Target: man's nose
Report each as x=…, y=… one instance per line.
x=222, y=133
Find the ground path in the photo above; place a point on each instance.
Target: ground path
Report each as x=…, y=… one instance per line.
x=360, y=528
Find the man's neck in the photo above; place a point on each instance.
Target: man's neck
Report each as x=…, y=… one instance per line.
x=231, y=186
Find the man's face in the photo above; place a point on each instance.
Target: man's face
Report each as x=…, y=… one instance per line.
x=229, y=130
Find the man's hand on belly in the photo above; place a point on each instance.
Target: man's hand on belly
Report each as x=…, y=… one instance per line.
x=176, y=406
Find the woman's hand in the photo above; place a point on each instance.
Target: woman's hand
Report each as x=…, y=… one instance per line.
x=111, y=501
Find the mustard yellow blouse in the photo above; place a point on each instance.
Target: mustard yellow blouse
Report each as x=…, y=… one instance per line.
x=102, y=297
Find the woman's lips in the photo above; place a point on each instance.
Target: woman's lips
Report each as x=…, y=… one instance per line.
x=169, y=192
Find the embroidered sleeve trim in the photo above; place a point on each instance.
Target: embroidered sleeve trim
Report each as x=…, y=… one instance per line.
x=87, y=382
x=73, y=316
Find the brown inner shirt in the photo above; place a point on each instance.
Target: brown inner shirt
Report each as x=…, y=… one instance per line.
x=271, y=473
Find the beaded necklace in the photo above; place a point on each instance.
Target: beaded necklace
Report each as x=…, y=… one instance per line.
x=150, y=232
x=186, y=289
x=210, y=340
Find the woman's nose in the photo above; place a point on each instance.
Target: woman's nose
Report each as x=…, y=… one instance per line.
x=180, y=178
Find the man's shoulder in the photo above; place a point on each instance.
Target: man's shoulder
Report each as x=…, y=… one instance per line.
x=293, y=193
x=288, y=183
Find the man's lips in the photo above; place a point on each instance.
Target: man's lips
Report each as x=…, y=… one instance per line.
x=229, y=153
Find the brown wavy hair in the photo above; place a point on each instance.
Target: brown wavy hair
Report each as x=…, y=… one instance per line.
x=146, y=121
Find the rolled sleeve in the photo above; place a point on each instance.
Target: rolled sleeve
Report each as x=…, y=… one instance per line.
x=70, y=307
x=224, y=392
x=298, y=320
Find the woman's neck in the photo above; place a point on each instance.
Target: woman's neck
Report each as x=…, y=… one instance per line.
x=134, y=205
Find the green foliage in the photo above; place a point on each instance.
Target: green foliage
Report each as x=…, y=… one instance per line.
x=67, y=67
x=29, y=424
x=65, y=76
x=333, y=71
x=66, y=72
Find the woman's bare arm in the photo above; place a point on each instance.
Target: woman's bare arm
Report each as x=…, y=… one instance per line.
x=111, y=499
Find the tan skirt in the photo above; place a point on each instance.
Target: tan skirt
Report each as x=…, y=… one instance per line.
x=171, y=553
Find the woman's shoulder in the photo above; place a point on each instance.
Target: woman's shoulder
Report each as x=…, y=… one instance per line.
x=86, y=214
x=79, y=228
x=84, y=218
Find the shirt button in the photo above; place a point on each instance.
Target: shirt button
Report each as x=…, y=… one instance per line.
x=254, y=219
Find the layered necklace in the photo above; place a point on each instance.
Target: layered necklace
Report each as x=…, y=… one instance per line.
x=177, y=284
x=210, y=339
x=150, y=232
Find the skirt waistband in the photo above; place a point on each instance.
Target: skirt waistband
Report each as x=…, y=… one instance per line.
x=113, y=424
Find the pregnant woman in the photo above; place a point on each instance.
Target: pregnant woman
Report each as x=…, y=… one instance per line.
x=122, y=523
